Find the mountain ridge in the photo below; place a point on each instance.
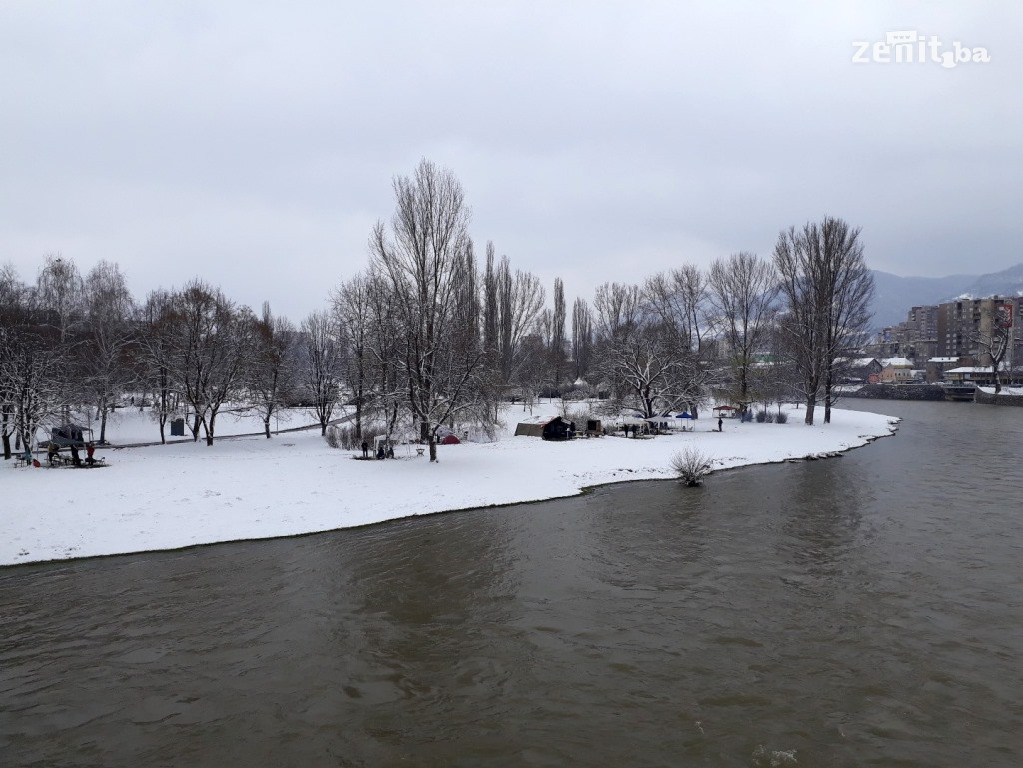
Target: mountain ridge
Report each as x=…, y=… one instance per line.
x=894, y=296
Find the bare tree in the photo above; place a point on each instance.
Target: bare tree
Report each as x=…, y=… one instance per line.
x=641, y=354
x=216, y=343
x=419, y=260
x=388, y=391
x=531, y=374
x=323, y=366
x=679, y=299
x=850, y=287
x=490, y=308
x=353, y=309
x=59, y=289
x=557, y=348
x=995, y=335
x=800, y=325
x=36, y=393
x=15, y=317
x=743, y=289
x=827, y=289
x=582, y=337
x=271, y=368
x=520, y=298
x=161, y=332
x=32, y=364
x=58, y=309
x=109, y=335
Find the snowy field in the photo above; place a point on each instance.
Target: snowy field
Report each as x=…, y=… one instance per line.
x=182, y=494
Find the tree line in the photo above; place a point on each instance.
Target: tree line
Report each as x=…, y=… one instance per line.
x=431, y=334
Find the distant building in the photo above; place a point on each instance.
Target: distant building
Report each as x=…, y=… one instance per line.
x=971, y=374
x=961, y=322
x=951, y=330
x=898, y=370
x=936, y=367
x=860, y=370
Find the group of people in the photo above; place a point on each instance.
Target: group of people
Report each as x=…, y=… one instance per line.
x=636, y=429
x=646, y=429
x=53, y=454
x=382, y=452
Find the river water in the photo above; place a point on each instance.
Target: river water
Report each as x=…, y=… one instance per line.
x=859, y=611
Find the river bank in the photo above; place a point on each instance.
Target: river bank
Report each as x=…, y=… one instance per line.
x=186, y=494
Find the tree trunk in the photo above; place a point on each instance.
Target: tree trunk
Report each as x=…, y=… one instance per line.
x=103, y=424
x=827, y=399
x=810, y=405
x=433, y=448
x=7, y=446
x=266, y=426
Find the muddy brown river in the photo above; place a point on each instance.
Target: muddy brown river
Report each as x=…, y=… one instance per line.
x=859, y=611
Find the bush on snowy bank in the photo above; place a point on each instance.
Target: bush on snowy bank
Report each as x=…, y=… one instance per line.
x=691, y=465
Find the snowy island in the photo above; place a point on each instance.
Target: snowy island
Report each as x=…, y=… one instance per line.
x=183, y=494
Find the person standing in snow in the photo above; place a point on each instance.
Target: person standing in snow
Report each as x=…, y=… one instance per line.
x=365, y=449
x=721, y=424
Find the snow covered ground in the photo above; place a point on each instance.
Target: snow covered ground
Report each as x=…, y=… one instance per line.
x=183, y=494
x=1005, y=390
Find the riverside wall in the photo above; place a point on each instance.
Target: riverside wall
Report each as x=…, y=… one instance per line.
x=898, y=392
x=989, y=398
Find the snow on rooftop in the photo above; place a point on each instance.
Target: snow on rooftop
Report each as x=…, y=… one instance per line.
x=183, y=494
x=975, y=369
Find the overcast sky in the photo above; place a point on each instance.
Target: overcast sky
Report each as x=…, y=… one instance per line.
x=254, y=144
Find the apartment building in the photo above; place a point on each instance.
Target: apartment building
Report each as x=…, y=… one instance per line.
x=961, y=324
x=953, y=330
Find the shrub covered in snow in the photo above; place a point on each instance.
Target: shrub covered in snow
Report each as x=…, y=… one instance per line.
x=333, y=436
x=691, y=465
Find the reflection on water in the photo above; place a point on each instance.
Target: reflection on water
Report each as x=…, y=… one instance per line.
x=856, y=611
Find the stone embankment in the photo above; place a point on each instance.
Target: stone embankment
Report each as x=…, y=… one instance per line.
x=989, y=398
x=899, y=392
